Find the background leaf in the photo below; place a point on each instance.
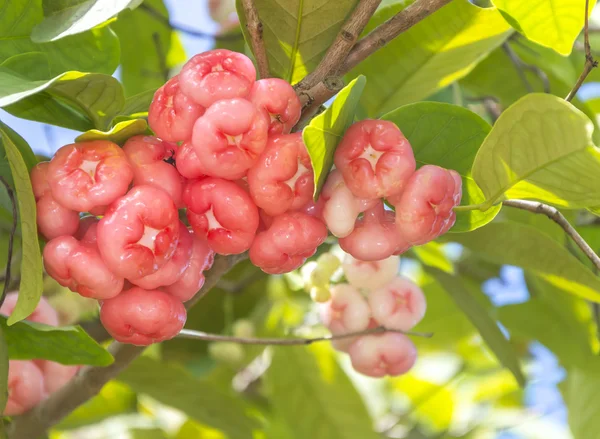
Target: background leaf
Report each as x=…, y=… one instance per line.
x=554, y=24
x=487, y=327
x=30, y=288
x=325, y=131
x=297, y=33
x=65, y=345
x=448, y=136
x=199, y=399
x=71, y=17
x=118, y=134
x=429, y=56
x=537, y=142
x=524, y=246
x=580, y=393
x=317, y=400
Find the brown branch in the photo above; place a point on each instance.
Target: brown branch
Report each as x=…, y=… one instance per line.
x=11, y=239
x=90, y=380
x=555, y=215
x=590, y=62
x=204, y=336
x=343, y=43
x=315, y=97
x=255, y=30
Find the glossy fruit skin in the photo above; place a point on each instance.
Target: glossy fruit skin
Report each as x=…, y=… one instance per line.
x=53, y=219
x=288, y=241
x=340, y=206
x=172, y=114
x=192, y=279
x=223, y=213
x=279, y=100
x=229, y=138
x=187, y=161
x=369, y=275
x=400, y=304
x=347, y=311
x=25, y=387
x=147, y=155
x=282, y=177
x=215, y=75
x=142, y=317
x=86, y=175
x=424, y=210
x=174, y=268
x=138, y=234
x=375, y=159
x=375, y=236
x=379, y=355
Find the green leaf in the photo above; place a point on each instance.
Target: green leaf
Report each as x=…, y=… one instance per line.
x=522, y=245
x=72, y=17
x=432, y=254
x=118, y=134
x=554, y=24
x=562, y=323
x=297, y=33
x=432, y=54
x=580, y=394
x=325, y=131
x=3, y=372
x=96, y=50
x=448, y=136
x=65, y=345
x=537, y=142
x=26, y=152
x=487, y=327
x=320, y=391
x=138, y=104
x=200, y=400
x=96, y=97
x=149, y=48
x=30, y=288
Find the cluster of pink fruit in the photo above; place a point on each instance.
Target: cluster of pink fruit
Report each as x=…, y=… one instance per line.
x=29, y=382
x=224, y=152
x=375, y=296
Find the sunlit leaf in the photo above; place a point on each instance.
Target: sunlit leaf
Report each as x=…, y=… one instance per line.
x=448, y=136
x=325, y=131
x=430, y=55
x=118, y=134
x=431, y=254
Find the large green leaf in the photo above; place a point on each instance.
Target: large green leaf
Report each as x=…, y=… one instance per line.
x=149, y=48
x=429, y=56
x=540, y=148
x=96, y=50
x=314, y=395
x=297, y=33
x=562, y=323
x=96, y=97
x=522, y=245
x=117, y=134
x=70, y=17
x=551, y=23
x=580, y=394
x=448, y=136
x=325, y=131
x=30, y=288
x=200, y=400
x=65, y=345
x=487, y=327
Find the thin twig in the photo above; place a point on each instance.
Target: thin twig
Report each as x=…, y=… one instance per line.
x=555, y=215
x=188, y=30
x=199, y=335
x=255, y=30
x=343, y=43
x=90, y=380
x=11, y=238
x=590, y=62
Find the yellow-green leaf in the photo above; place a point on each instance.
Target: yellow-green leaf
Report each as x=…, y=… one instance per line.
x=432, y=54
x=30, y=288
x=540, y=148
x=551, y=23
x=118, y=134
x=325, y=131
x=297, y=33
